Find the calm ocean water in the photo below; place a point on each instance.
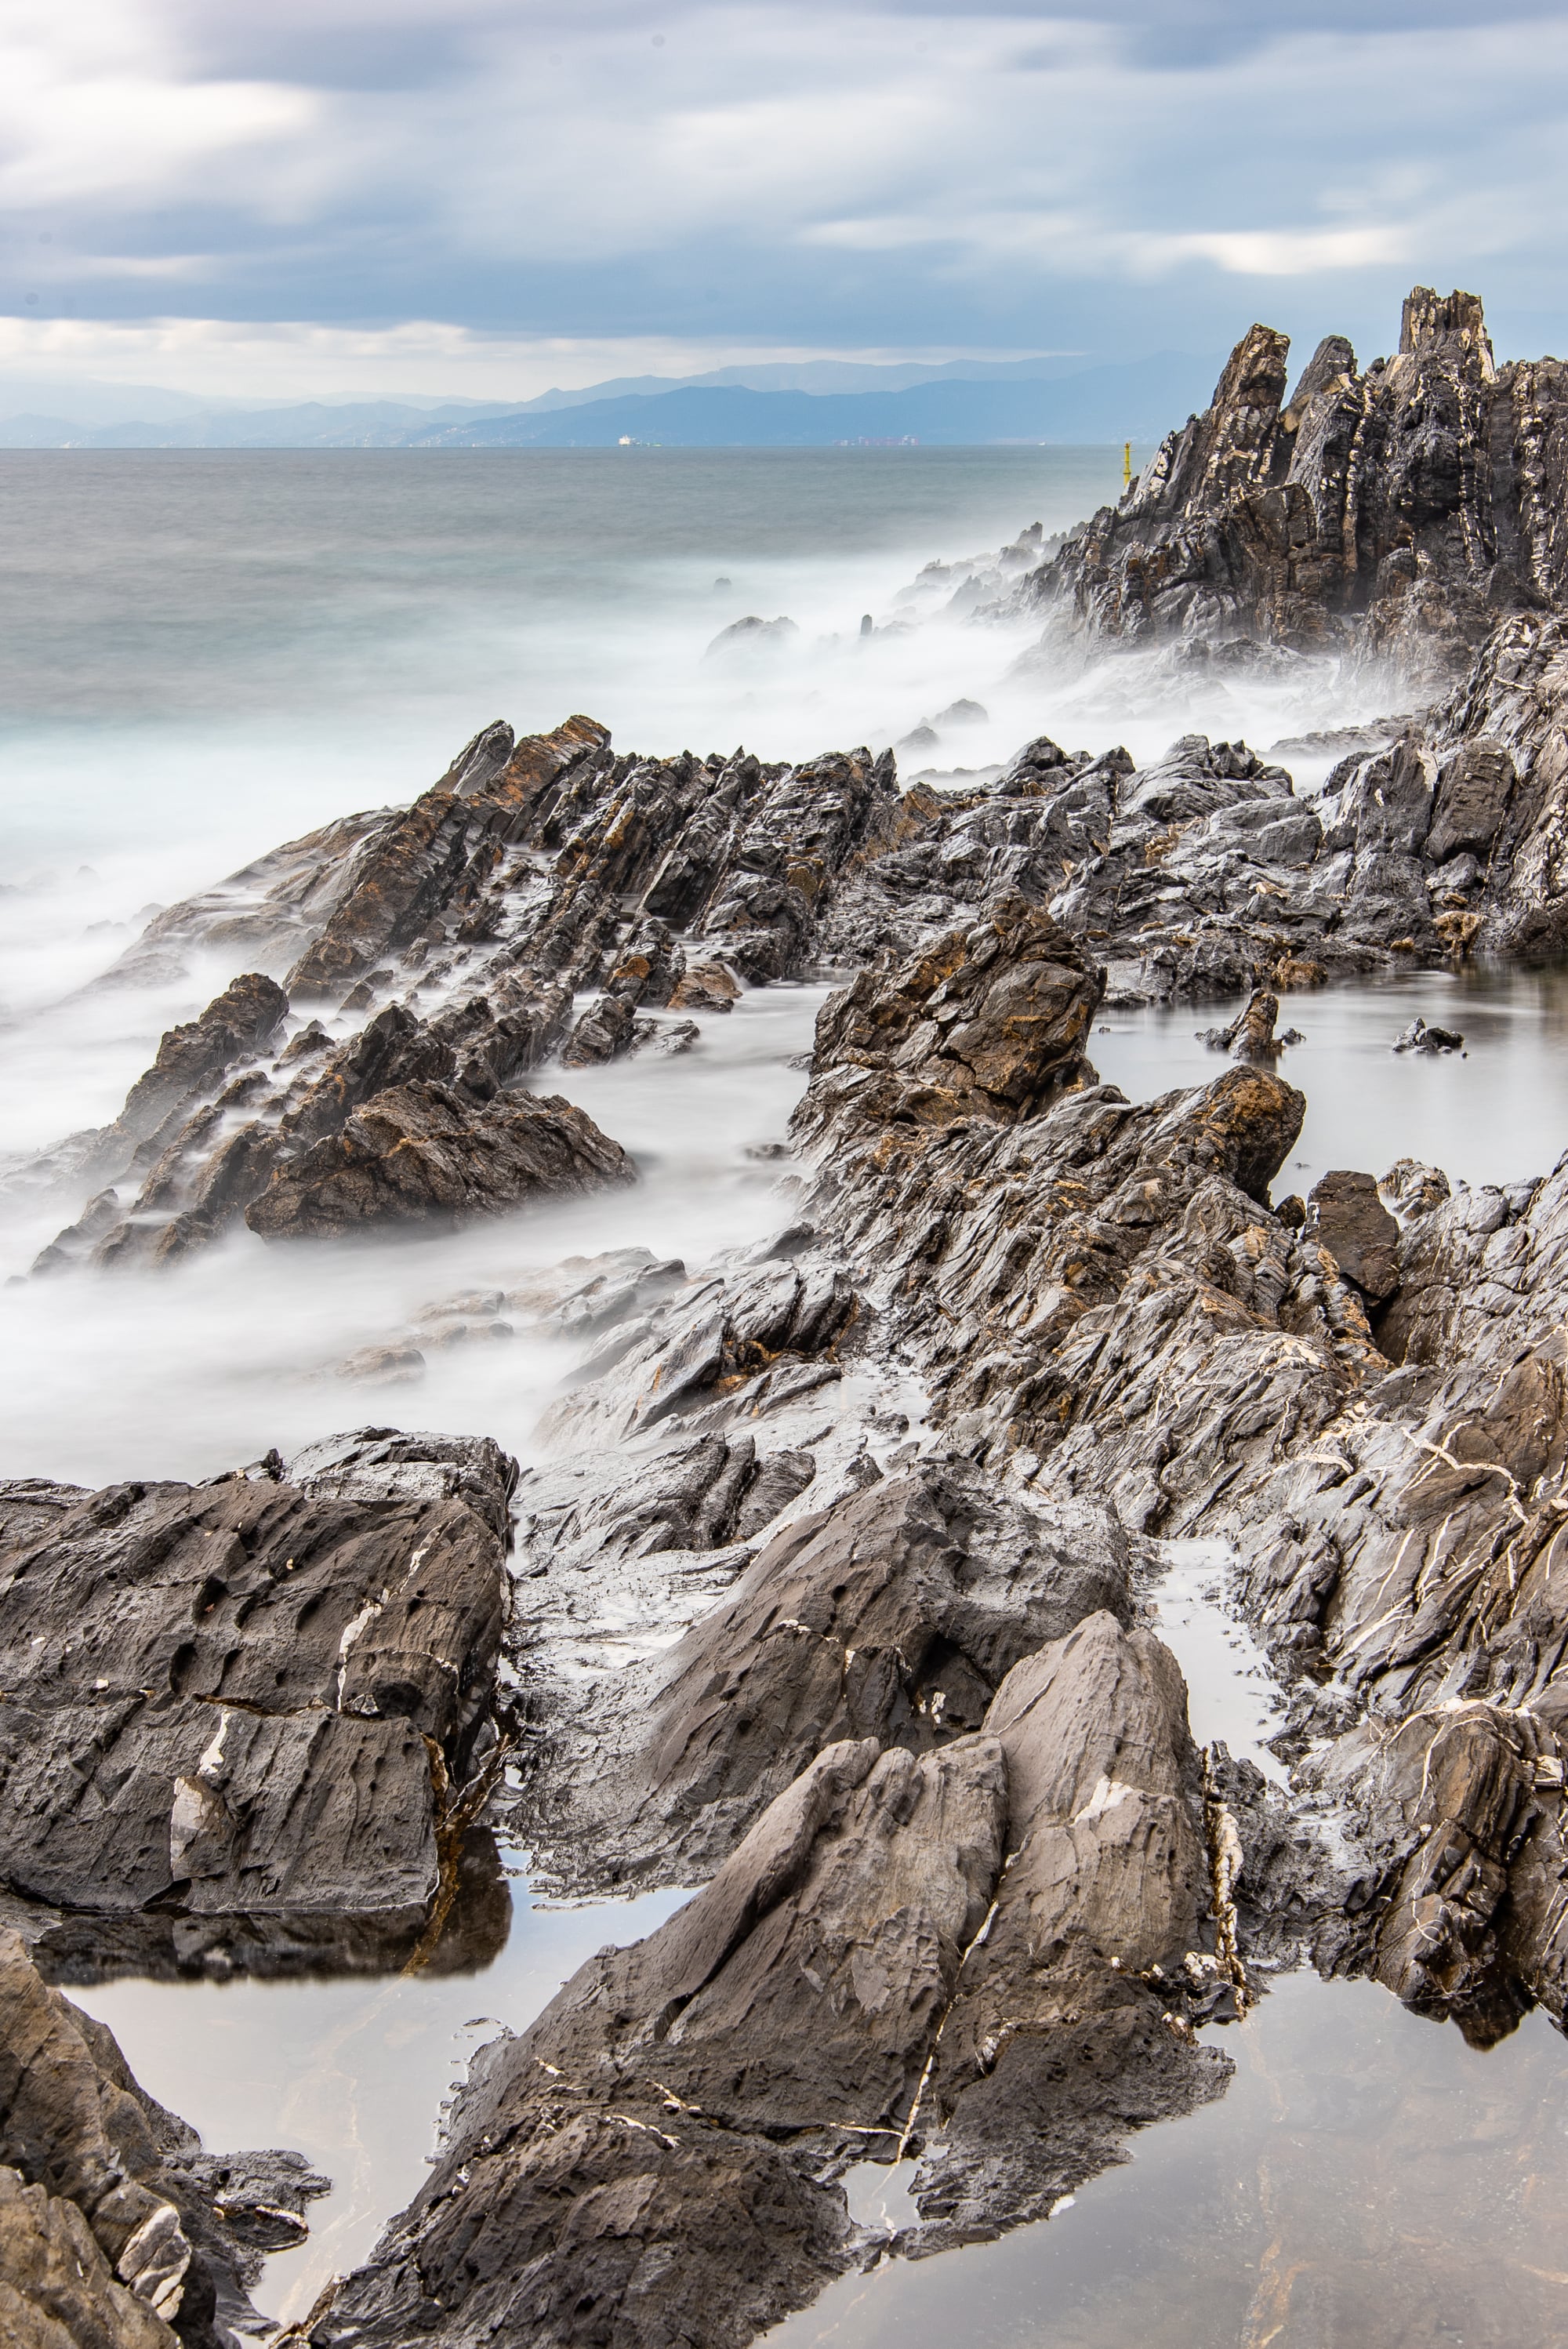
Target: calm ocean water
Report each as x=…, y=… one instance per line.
x=247, y=639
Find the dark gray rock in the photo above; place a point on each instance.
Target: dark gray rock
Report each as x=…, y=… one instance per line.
x=1367, y=513
x=651, y=2157
x=1346, y=1213
x=1251, y=1034
x=1419, y=1037
x=258, y=1699
x=895, y=1614
x=243, y=1021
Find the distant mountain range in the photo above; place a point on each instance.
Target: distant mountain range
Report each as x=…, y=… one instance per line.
x=817, y=404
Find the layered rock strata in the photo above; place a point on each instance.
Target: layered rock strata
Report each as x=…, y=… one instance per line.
x=1365, y=1404
x=1395, y=513
x=561, y=879
x=829, y=1568
x=904, y=1945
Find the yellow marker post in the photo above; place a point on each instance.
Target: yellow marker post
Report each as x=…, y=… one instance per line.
x=1127, y=464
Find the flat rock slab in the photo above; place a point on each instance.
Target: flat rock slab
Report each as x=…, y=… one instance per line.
x=254, y=1697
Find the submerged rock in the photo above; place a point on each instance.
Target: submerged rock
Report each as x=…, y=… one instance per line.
x=754, y=634
x=1419, y=1037
x=1251, y=1034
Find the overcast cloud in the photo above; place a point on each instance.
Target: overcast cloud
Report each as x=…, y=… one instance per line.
x=363, y=195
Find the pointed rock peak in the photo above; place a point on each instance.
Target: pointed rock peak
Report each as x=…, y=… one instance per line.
x=1431, y=320
x=481, y=762
x=1333, y=362
x=540, y=757
x=1255, y=373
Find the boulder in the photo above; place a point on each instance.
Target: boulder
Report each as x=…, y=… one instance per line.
x=1420, y=1038
x=113, y=2221
x=990, y=1023
x=895, y=1614
x=1251, y=1034
x=651, y=2157
x=420, y=1153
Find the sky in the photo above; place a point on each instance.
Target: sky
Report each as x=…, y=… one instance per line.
x=483, y=198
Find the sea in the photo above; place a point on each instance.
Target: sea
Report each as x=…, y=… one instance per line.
x=203, y=654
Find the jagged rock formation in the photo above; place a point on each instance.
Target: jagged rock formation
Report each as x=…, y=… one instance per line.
x=892, y=1612
x=1103, y=1301
x=115, y=2228
x=246, y=1722
x=418, y=1153
x=646, y=2162
x=1395, y=515
x=989, y=1024
x=562, y=873
x=1250, y=1036
x=828, y=1577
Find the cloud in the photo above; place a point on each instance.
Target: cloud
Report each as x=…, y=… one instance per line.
x=704, y=177
x=296, y=359
x=93, y=105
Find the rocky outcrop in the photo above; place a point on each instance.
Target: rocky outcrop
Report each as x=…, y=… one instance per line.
x=1104, y=1302
x=57, y=2288
x=1344, y=1212
x=900, y=1954
x=894, y=1612
x=989, y=1023
x=252, y=1715
x=1393, y=515
x=115, y=2227
x=640, y=884
x=242, y=1021
x=829, y=1564
x=418, y=1153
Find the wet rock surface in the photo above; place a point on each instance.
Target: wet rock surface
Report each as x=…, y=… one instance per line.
x=1344, y=1212
x=893, y=1613
x=552, y=907
x=115, y=2226
x=688, y=2097
x=418, y=1153
x=242, y=1720
x=831, y=1587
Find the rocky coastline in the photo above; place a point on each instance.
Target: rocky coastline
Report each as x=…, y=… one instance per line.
x=874, y=1508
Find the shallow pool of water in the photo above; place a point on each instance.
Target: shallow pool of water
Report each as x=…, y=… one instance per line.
x=352, y=2074
x=1367, y=2182
x=1495, y=1113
